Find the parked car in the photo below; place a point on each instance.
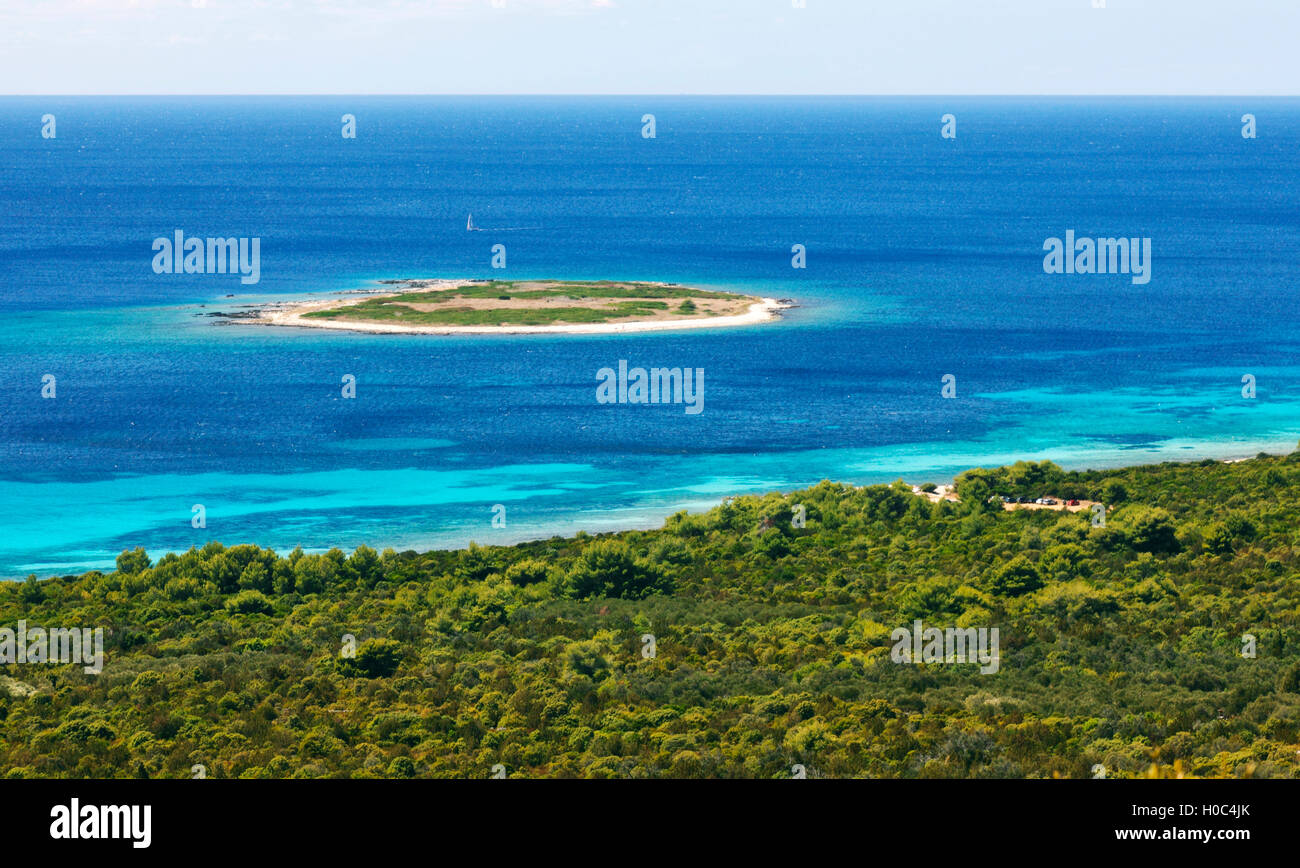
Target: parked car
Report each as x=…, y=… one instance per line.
x=1024, y=500
x=1072, y=502
x=1048, y=501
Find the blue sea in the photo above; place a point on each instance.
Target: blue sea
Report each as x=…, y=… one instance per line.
x=924, y=258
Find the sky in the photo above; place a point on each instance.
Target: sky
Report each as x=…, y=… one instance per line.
x=950, y=47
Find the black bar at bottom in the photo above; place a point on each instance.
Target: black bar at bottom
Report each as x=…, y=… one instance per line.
x=334, y=819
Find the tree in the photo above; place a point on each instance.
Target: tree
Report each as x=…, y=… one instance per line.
x=608, y=568
x=1016, y=578
x=365, y=563
x=133, y=562
x=1112, y=491
x=255, y=578
x=32, y=591
x=375, y=658
x=1218, y=539
x=1151, y=529
x=249, y=603
x=476, y=563
x=401, y=767
x=223, y=572
x=529, y=571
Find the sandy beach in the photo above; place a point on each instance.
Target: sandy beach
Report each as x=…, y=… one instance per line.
x=293, y=315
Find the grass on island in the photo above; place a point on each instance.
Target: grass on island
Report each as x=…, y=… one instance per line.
x=1165, y=643
x=545, y=302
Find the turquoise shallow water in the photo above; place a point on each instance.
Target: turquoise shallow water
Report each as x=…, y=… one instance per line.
x=924, y=259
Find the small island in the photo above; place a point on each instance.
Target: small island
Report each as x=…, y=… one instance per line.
x=413, y=306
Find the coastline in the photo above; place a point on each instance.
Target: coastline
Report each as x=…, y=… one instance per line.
x=647, y=515
x=292, y=315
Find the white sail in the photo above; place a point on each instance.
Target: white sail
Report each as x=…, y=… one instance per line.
x=469, y=226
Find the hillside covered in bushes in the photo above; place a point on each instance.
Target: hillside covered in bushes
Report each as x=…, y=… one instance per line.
x=733, y=643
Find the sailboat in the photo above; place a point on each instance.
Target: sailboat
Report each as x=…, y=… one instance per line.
x=469, y=226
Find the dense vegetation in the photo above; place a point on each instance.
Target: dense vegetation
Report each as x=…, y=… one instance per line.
x=1121, y=645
